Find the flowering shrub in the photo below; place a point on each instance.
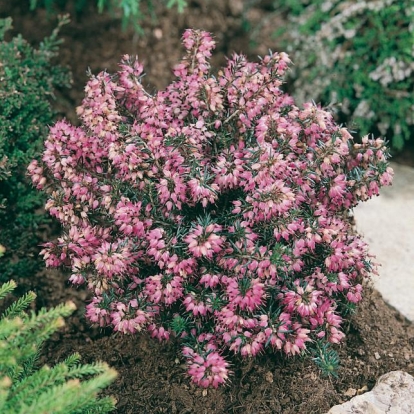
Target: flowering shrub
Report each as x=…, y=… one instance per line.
x=215, y=211
x=359, y=54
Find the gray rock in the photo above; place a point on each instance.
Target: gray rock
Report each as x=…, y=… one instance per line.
x=387, y=222
x=393, y=394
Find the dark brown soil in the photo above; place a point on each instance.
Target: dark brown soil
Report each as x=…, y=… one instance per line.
x=151, y=375
x=406, y=157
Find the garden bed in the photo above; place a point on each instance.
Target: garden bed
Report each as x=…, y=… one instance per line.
x=151, y=377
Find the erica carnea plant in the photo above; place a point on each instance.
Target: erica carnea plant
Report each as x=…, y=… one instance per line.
x=214, y=211
x=28, y=79
x=359, y=54
x=68, y=388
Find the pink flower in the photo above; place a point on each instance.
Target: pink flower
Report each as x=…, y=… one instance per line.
x=111, y=259
x=77, y=279
x=158, y=332
x=204, y=242
x=209, y=369
x=245, y=293
x=196, y=306
x=274, y=200
x=255, y=344
x=167, y=289
x=209, y=280
x=128, y=217
x=296, y=340
x=129, y=319
x=304, y=301
x=172, y=190
x=96, y=312
x=201, y=192
x=338, y=189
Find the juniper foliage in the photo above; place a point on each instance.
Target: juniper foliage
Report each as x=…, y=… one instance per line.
x=28, y=79
x=68, y=388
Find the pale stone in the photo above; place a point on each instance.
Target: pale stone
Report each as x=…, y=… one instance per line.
x=393, y=394
x=387, y=224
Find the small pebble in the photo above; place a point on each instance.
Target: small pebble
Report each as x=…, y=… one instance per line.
x=269, y=377
x=350, y=392
x=377, y=355
x=362, y=390
x=157, y=33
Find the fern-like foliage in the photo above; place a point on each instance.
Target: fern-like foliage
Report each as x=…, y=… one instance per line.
x=68, y=388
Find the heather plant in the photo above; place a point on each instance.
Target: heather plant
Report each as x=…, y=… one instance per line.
x=215, y=211
x=68, y=388
x=28, y=78
x=131, y=10
x=358, y=54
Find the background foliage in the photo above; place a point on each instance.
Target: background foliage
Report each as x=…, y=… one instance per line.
x=359, y=54
x=131, y=11
x=27, y=81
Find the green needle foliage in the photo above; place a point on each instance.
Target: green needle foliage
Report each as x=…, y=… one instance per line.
x=67, y=388
x=326, y=359
x=27, y=81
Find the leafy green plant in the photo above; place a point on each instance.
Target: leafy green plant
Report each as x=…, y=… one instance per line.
x=68, y=387
x=132, y=11
x=27, y=81
x=359, y=54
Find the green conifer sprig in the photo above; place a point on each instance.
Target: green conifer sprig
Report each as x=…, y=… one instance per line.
x=69, y=387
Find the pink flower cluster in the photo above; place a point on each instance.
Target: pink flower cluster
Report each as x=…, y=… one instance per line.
x=215, y=210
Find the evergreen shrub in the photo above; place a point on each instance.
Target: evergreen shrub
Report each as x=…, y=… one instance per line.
x=215, y=210
x=28, y=79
